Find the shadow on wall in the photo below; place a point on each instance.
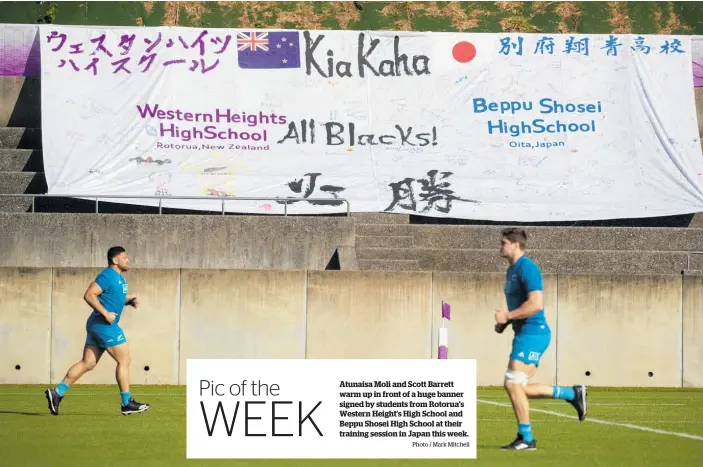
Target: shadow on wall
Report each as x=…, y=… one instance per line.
x=683, y=220
x=334, y=263
x=27, y=109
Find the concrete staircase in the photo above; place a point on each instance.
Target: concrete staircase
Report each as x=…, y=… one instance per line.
x=389, y=242
x=21, y=167
x=384, y=242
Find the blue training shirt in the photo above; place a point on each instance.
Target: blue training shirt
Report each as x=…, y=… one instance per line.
x=522, y=278
x=113, y=297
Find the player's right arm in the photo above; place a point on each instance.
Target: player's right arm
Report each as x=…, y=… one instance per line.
x=91, y=297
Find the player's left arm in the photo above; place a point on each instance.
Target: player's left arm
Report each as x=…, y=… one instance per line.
x=132, y=300
x=532, y=281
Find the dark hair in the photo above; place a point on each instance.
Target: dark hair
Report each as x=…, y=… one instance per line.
x=516, y=235
x=112, y=252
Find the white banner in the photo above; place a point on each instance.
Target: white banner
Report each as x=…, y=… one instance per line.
x=331, y=409
x=508, y=127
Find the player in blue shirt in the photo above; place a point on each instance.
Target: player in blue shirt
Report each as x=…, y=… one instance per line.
x=107, y=295
x=524, y=296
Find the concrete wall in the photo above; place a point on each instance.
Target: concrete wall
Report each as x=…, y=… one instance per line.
x=693, y=331
x=622, y=330
x=241, y=314
x=25, y=325
x=309, y=242
x=167, y=241
x=362, y=314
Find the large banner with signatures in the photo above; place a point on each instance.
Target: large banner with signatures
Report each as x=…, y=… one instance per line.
x=507, y=127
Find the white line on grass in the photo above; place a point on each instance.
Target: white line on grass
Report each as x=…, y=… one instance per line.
x=603, y=422
x=512, y=420
x=615, y=404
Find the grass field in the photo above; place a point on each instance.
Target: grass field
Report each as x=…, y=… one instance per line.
x=90, y=431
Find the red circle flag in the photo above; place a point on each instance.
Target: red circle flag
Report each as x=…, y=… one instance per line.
x=464, y=52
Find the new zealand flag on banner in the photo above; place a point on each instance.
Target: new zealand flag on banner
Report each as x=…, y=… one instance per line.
x=268, y=49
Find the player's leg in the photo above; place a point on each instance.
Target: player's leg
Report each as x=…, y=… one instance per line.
x=574, y=395
x=516, y=377
x=91, y=356
x=123, y=359
x=120, y=352
x=534, y=347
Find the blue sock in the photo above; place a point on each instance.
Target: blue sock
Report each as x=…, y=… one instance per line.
x=562, y=392
x=125, y=397
x=62, y=388
x=525, y=429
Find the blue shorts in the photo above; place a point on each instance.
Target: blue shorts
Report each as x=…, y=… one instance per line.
x=104, y=335
x=529, y=348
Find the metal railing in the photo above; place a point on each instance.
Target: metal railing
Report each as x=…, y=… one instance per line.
x=161, y=198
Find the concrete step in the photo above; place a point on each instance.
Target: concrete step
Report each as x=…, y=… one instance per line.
x=549, y=261
x=397, y=241
x=388, y=265
x=380, y=218
x=20, y=138
x=387, y=253
x=15, y=204
x=696, y=221
x=696, y=261
x=561, y=238
x=18, y=183
x=22, y=182
x=383, y=230
x=21, y=160
x=693, y=272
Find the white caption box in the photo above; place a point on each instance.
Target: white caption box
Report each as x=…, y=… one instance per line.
x=334, y=409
